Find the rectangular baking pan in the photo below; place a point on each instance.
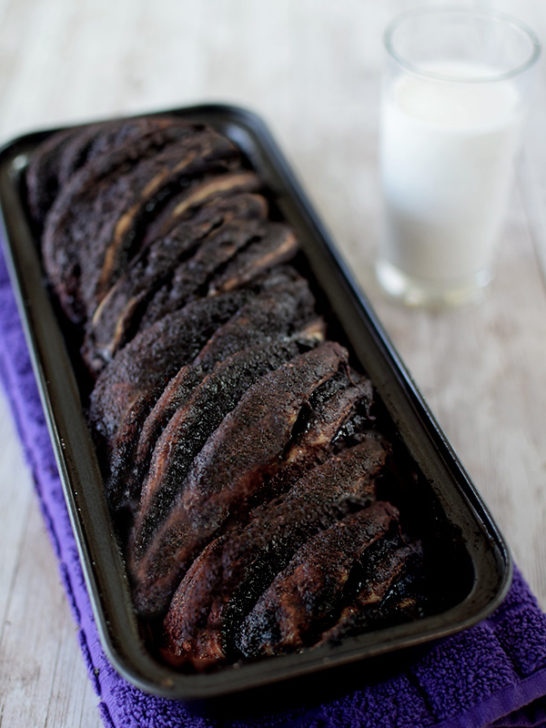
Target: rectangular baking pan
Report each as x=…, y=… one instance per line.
x=484, y=564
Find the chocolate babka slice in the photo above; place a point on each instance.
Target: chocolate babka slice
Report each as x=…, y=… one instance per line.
x=201, y=239
x=273, y=243
x=141, y=190
x=337, y=416
x=194, y=194
x=315, y=435
x=278, y=312
x=42, y=175
x=318, y=432
x=79, y=149
x=228, y=258
x=225, y=581
x=58, y=158
x=304, y=595
x=230, y=468
x=93, y=140
x=92, y=229
x=129, y=386
x=386, y=588
x=194, y=422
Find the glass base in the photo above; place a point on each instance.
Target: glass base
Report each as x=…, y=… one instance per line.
x=414, y=291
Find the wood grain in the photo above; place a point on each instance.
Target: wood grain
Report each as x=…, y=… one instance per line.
x=311, y=68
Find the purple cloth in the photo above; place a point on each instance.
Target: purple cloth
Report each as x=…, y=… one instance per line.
x=493, y=674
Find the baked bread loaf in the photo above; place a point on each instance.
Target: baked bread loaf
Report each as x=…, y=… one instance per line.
x=243, y=460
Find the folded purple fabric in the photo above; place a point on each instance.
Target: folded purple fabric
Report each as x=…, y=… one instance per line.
x=493, y=674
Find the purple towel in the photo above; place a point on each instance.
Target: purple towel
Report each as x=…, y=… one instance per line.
x=493, y=674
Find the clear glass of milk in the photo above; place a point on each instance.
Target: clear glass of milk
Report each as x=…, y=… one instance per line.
x=454, y=98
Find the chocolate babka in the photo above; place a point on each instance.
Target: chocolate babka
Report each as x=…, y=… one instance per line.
x=251, y=479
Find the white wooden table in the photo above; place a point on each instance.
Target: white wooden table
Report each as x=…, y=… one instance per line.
x=311, y=68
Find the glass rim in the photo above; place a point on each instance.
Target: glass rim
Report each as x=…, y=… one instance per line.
x=489, y=15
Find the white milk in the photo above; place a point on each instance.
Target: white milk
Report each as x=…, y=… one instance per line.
x=447, y=154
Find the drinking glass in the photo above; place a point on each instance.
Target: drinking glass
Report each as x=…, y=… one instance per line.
x=456, y=89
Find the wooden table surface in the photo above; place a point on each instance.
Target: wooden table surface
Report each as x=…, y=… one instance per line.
x=311, y=68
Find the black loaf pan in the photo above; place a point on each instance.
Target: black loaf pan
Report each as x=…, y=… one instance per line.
x=470, y=569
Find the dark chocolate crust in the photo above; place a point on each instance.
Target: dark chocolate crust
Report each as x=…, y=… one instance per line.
x=42, y=176
x=309, y=590
x=228, y=472
x=128, y=388
x=124, y=309
x=233, y=571
x=275, y=323
x=93, y=228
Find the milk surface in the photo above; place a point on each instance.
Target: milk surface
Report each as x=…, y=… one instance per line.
x=447, y=151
